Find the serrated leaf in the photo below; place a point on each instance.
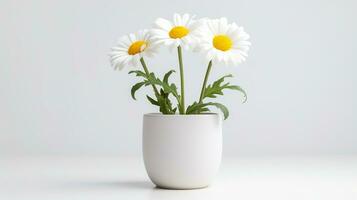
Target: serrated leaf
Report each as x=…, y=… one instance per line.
x=162, y=98
x=211, y=91
x=138, y=73
x=167, y=75
x=165, y=104
x=135, y=88
x=152, y=101
x=204, y=109
x=197, y=108
x=216, y=88
x=238, y=88
x=222, y=107
x=165, y=86
x=191, y=109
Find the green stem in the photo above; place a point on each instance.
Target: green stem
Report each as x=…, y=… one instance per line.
x=205, y=81
x=182, y=110
x=147, y=73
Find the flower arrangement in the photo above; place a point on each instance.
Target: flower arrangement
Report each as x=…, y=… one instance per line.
x=218, y=40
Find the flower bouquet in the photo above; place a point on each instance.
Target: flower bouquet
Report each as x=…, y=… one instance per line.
x=183, y=151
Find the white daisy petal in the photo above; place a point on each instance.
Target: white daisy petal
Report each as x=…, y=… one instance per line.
x=132, y=37
x=180, y=32
x=163, y=24
x=223, y=25
x=177, y=20
x=222, y=42
x=131, y=48
x=185, y=19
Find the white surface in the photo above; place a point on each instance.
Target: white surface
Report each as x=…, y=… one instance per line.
x=182, y=151
x=276, y=178
x=58, y=93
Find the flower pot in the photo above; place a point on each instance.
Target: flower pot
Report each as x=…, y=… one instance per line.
x=182, y=151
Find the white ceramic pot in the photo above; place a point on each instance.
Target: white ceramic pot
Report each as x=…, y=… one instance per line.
x=182, y=151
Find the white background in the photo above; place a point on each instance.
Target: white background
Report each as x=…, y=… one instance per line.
x=59, y=95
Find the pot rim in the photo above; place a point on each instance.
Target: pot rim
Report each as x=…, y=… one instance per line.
x=181, y=116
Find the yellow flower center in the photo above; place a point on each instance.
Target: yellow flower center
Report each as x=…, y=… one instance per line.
x=178, y=32
x=222, y=42
x=137, y=47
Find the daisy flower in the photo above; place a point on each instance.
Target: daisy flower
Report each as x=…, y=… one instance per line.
x=223, y=42
x=181, y=32
x=131, y=48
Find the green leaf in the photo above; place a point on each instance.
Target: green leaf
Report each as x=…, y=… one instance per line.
x=238, y=88
x=162, y=99
x=194, y=108
x=198, y=108
x=151, y=79
x=216, y=88
x=135, y=88
x=152, y=101
x=222, y=107
x=138, y=73
x=211, y=91
x=167, y=75
x=165, y=103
